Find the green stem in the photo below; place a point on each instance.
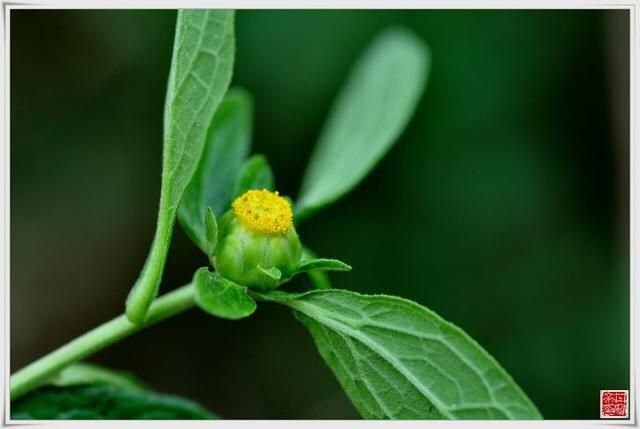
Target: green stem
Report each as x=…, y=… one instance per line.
x=34, y=374
x=146, y=287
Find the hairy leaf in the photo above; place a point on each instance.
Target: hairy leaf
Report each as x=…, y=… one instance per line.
x=398, y=360
x=201, y=69
x=103, y=402
x=368, y=116
x=221, y=297
x=255, y=174
x=321, y=264
x=228, y=143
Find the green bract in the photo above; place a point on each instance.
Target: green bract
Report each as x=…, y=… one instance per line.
x=258, y=246
x=255, y=259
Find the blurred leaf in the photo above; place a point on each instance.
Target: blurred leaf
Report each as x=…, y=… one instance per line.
x=228, y=142
x=221, y=297
x=255, y=174
x=367, y=118
x=211, y=232
x=103, y=402
x=85, y=373
x=398, y=360
x=201, y=69
x=321, y=264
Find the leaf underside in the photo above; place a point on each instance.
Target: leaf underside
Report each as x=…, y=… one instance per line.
x=201, y=71
x=398, y=360
x=201, y=68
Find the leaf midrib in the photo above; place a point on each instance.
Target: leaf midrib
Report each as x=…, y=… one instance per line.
x=413, y=306
x=345, y=329
x=180, y=86
x=341, y=325
x=474, y=368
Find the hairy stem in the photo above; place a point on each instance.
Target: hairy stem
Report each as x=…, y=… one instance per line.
x=34, y=374
x=146, y=287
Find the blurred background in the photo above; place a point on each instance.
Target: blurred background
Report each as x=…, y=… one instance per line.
x=503, y=207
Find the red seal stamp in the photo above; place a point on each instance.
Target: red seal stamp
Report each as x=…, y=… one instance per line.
x=614, y=404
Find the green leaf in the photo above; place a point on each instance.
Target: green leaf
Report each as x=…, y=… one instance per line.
x=227, y=146
x=321, y=264
x=255, y=174
x=221, y=297
x=272, y=272
x=319, y=279
x=211, y=232
x=201, y=69
x=368, y=116
x=103, y=402
x=398, y=360
x=85, y=373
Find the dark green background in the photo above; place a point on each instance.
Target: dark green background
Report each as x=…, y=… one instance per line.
x=504, y=206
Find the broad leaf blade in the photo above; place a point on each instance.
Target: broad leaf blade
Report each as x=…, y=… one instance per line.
x=103, y=402
x=227, y=146
x=398, y=360
x=255, y=174
x=367, y=118
x=221, y=297
x=198, y=80
x=201, y=69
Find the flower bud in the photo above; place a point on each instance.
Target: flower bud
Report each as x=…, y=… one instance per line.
x=257, y=234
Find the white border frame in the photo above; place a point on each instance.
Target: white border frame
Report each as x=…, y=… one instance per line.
x=634, y=201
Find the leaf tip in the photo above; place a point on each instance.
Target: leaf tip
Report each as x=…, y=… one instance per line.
x=272, y=272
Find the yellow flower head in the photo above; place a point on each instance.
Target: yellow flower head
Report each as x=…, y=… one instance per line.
x=263, y=211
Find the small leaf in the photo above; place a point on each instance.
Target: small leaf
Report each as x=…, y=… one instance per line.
x=255, y=174
x=227, y=146
x=211, y=228
x=221, y=297
x=201, y=68
x=86, y=373
x=321, y=264
x=103, y=402
x=368, y=116
x=398, y=360
x=319, y=279
x=272, y=272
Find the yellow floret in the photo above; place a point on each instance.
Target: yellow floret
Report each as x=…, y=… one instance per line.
x=263, y=211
